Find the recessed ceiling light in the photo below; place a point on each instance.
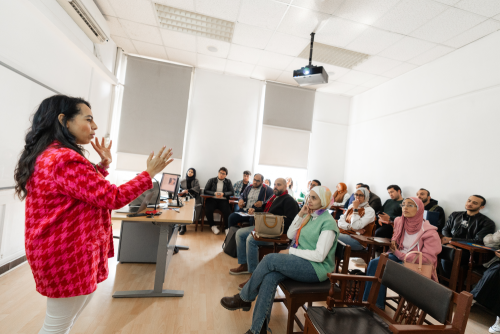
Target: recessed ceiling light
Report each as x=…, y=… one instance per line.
x=193, y=23
x=212, y=49
x=334, y=56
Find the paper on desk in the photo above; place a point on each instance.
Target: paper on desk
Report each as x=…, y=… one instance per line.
x=382, y=241
x=244, y=214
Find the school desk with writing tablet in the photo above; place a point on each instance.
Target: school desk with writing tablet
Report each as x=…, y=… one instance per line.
x=167, y=224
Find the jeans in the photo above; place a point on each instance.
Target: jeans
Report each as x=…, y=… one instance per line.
x=273, y=269
x=384, y=231
x=355, y=245
x=235, y=219
x=247, y=247
x=212, y=204
x=372, y=268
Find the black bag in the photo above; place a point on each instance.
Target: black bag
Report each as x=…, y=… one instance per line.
x=229, y=245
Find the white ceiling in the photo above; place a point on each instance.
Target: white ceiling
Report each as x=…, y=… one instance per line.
x=400, y=35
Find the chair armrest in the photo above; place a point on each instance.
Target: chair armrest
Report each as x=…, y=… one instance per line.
x=345, y=277
x=421, y=329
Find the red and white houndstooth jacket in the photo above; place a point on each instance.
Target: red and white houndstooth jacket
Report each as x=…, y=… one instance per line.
x=68, y=236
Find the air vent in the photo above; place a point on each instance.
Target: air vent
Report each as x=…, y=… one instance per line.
x=193, y=23
x=334, y=56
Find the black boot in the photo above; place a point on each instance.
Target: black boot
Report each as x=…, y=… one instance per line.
x=182, y=231
x=263, y=330
x=235, y=303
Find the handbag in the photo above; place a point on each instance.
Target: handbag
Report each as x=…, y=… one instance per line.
x=268, y=225
x=423, y=269
x=229, y=245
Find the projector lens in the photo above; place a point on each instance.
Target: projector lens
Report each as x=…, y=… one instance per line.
x=306, y=71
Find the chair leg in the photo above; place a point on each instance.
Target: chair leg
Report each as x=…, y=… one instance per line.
x=292, y=310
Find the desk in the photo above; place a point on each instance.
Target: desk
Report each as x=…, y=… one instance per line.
x=472, y=250
x=371, y=243
x=166, y=244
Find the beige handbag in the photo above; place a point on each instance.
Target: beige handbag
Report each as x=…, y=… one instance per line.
x=268, y=225
x=423, y=269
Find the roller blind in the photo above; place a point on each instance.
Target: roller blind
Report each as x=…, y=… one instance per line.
x=284, y=147
x=154, y=107
x=288, y=106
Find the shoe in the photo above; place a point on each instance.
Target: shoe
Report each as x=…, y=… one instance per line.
x=235, y=303
x=243, y=284
x=182, y=230
x=242, y=269
x=215, y=230
x=227, y=231
x=262, y=331
x=496, y=327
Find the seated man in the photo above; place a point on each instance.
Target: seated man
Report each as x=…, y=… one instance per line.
x=222, y=188
x=469, y=226
x=391, y=210
x=254, y=196
x=431, y=205
x=281, y=204
x=375, y=202
x=240, y=186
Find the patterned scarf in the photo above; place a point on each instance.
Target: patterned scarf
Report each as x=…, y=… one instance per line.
x=269, y=203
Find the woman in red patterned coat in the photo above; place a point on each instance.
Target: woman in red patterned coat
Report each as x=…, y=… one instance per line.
x=68, y=234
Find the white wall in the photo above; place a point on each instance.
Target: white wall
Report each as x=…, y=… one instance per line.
x=435, y=127
x=39, y=39
x=222, y=124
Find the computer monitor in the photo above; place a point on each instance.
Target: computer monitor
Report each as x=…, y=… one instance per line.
x=170, y=183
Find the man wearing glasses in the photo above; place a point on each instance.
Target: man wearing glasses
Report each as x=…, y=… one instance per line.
x=222, y=189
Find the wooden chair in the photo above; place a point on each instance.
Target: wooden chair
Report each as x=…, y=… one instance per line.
x=453, y=255
x=365, y=254
x=298, y=293
x=419, y=296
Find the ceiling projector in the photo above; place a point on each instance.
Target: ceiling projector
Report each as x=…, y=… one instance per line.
x=311, y=74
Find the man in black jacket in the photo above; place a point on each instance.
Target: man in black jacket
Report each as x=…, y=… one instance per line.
x=281, y=204
x=374, y=202
x=432, y=205
x=222, y=189
x=468, y=226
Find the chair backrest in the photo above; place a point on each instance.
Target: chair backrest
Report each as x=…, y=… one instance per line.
x=417, y=291
x=453, y=255
x=342, y=254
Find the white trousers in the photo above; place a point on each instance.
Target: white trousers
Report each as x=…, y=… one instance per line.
x=62, y=313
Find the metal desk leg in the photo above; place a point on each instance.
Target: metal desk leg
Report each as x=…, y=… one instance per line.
x=166, y=244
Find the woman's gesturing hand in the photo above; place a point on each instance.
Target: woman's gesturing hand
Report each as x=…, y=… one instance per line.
x=103, y=151
x=157, y=163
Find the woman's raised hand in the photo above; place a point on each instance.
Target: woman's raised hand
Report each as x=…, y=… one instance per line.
x=103, y=151
x=157, y=163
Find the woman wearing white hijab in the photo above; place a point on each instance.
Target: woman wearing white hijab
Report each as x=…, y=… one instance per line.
x=356, y=219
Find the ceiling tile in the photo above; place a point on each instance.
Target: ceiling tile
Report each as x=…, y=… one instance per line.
x=222, y=9
x=448, y=2
x=178, y=40
x=479, y=31
x=365, y=11
x=488, y=8
x=124, y=43
x=135, y=10
x=377, y=65
x=239, y=68
x=274, y=60
x=408, y=15
x=203, y=43
x=336, y=87
x=334, y=72
x=251, y=36
x=357, y=90
x=373, y=41
x=301, y=22
x=376, y=81
x=265, y=73
x=181, y=56
x=287, y=78
x=182, y=4
x=356, y=77
x=407, y=48
x=142, y=32
x=287, y=44
x=105, y=7
x=339, y=32
x=428, y=56
x=211, y=63
x=263, y=13
x=150, y=50
x=447, y=25
x=244, y=54
x=320, y=5
x=115, y=26
x=497, y=17
x=400, y=69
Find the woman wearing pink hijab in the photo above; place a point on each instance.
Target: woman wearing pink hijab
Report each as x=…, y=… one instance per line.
x=411, y=233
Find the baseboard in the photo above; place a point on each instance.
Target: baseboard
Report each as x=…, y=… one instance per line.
x=12, y=264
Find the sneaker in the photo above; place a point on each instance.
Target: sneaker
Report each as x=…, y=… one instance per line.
x=496, y=327
x=227, y=231
x=215, y=230
x=242, y=269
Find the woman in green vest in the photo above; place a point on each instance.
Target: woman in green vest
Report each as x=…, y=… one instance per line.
x=314, y=236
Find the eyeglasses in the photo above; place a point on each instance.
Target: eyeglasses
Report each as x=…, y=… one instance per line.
x=358, y=195
x=408, y=206
x=222, y=173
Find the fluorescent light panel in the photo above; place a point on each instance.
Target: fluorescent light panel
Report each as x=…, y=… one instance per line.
x=193, y=23
x=334, y=56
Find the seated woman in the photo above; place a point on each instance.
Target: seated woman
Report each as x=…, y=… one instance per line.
x=411, y=233
x=311, y=257
x=357, y=220
x=190, y=185
x=341, y=196
x=487, y=290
